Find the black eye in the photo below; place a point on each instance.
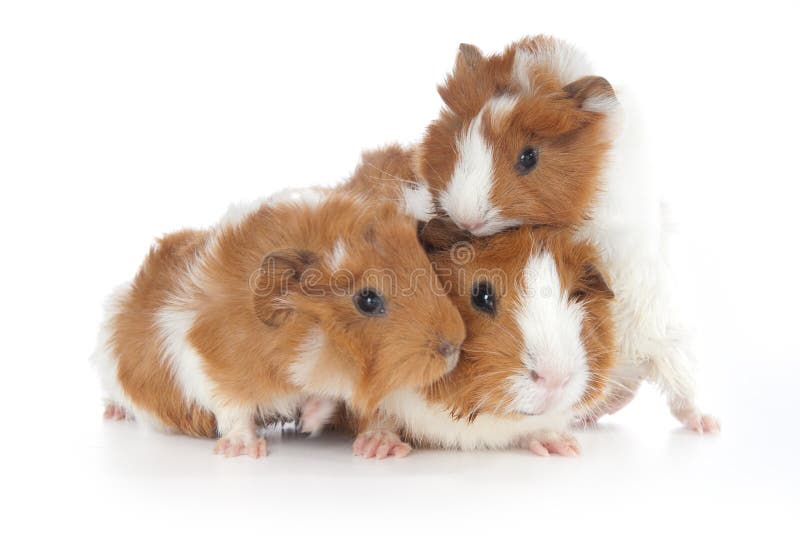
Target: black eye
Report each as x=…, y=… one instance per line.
x=527, y=160
x=483, y=297
x=369, y=302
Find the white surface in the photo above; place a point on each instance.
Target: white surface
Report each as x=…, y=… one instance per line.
x=121, y=122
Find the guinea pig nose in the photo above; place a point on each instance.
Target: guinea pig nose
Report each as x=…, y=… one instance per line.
x=471, y=226
x=447, y=350
x=550, y=380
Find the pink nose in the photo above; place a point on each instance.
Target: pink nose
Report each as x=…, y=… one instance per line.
x=471, y=226
x=549, y=380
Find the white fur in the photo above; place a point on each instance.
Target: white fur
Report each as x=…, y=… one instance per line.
x=103, y=357
x=558, y=57
x=312, y=196
x=238, y=212
x=174, y=323
x=630, y=228
x=337, y=255
x=303, y=370
x=551, y=329
x=500, y=107
x=432, y=424
x=418, y=202
x=467, y=197
x=604, y=104
x=236, y=422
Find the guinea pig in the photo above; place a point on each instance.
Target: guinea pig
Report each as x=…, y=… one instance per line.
x=522, y=139
x=540, y=344
x=531, y=136
x=312, y=294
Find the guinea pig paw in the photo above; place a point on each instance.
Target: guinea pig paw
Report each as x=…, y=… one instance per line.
x=315, y=414
x=380, y=444
x=563, y=444
x=115, y=413
x=255, y=447
x=703, y=424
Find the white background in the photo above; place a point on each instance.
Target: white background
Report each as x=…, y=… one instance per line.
x=120, y=121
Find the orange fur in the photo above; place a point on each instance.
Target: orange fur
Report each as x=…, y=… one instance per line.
x=382, y=173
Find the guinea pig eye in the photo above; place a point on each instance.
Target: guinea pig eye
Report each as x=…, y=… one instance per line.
x=527, y=160
x=483, y=297
x=369, y=302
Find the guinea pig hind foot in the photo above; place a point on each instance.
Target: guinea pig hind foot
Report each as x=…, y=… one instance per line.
x=316, y=412
x=380, y=444
x=700, y=422
x=683, y=409
x=547, y=443
x=116, y=412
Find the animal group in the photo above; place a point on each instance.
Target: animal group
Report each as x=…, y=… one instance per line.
x=492, y=286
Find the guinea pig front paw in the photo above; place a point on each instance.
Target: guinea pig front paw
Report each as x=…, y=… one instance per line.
x=380, y=444
x=702, y=424
x=239, y=445
x=546, y=443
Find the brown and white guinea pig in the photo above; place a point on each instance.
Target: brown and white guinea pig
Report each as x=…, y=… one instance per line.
x=523, y=139
x=540, y=342
x=303, y=296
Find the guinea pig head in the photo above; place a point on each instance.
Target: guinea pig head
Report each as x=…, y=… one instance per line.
x=382, y=318
x=523, y=137
x=539, y=334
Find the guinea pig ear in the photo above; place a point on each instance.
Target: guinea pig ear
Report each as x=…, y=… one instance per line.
x=592, y=282
x=593, y=94
x=469, y=56
x=440, y=234
x=464, y=89
x=280, y=274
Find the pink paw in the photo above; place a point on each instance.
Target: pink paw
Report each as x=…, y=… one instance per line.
x=255, y=447
x=316, y=413
x=547, y=443
x=380, y=444
x=115, y=413
x=703, y=424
